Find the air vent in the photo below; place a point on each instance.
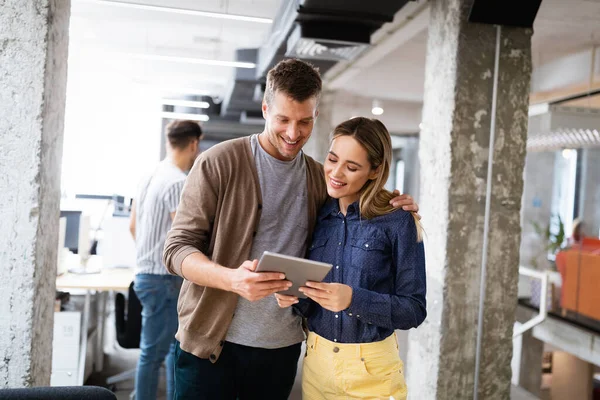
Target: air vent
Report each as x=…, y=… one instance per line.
x=564, y=128
x=322, y=49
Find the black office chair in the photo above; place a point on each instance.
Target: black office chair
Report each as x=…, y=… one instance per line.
x=58, y=392
x=129, y=325
x=129, y=329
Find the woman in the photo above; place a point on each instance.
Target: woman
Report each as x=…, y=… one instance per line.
x=377, y=283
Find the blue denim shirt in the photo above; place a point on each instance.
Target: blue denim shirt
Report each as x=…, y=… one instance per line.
x=384, y=264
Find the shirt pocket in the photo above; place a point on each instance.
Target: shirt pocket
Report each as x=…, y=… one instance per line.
x=316, y=251
x=368, y=256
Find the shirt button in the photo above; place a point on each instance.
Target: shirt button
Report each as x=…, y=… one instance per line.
x=357, y=316
x=337, y=316
x=336, y=349
x=213, y=357
x=337, y=267
x=367, y=245
x=339, y=243
x=350, y=314
x=335, y=340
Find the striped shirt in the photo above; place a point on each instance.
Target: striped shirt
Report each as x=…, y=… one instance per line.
x=157, y=197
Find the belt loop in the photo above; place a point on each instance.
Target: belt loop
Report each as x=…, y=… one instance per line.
x=315, y=339
x=396, y=341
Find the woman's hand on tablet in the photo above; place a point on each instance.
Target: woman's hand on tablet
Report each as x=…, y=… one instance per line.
x=285, y=301
x=331, y=296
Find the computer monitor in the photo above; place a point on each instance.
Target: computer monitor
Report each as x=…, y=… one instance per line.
x=72, y=231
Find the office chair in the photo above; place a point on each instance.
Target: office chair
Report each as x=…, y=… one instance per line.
x=58, y=392
x=129, y=329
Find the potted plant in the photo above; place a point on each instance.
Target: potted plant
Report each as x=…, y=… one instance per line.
x=553, y=238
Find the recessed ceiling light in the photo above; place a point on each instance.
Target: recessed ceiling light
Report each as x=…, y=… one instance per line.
x=192, y=117
x=184, y=11
x=191, y=60
x=186, y=103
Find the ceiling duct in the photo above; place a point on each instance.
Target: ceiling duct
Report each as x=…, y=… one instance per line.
x=240, y=92
x=554, y=128
x=322, y=32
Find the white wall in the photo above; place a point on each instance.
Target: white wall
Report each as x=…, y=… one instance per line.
x=112, y=129
x=398, y=116
x=569, y=70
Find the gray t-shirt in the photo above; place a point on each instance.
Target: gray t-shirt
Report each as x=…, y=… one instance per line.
x=283, y=228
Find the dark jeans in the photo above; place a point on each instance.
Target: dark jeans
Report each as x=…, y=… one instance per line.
x=241, y=372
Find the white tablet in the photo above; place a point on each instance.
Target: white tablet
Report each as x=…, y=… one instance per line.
x=297, y=270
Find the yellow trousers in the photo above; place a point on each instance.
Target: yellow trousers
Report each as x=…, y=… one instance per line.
x=352, y=371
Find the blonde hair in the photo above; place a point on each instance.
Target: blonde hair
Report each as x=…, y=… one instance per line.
x=374, y=137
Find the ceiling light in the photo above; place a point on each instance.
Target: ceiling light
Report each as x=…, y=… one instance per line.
x=183, y=90
x=377, y=108
x=192, y=117
x=186, y=103
x=569, y=153
x=183, y=11
x=190, y=60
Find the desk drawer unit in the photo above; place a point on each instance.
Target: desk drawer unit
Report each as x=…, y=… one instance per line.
x=65, y=348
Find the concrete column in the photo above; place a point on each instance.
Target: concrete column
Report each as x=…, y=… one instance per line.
x=318, y=144
x=453, y=154
x=590, y=190
x=33, y=73
x=536, y=206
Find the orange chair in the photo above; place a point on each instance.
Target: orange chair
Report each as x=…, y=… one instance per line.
x=580, y=271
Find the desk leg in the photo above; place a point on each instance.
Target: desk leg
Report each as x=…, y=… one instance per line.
x=83, y=344
x=101, y=308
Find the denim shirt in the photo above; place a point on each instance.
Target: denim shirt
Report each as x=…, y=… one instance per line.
x=384, y=264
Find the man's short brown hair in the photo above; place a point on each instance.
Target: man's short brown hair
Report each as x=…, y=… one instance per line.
x=181, y=133
x=297, y=79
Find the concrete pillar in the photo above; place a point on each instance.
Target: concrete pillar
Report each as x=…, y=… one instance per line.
x=536, y=207
x=453, y=154
x=318, y=144
x=590, y=192
x=33, y=73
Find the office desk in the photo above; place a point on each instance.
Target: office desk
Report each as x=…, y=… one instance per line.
x=109, y=279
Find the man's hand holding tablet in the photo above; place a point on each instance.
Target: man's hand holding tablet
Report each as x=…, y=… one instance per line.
x=297, y=270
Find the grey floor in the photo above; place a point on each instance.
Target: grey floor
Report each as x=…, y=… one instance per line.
x=119, y=360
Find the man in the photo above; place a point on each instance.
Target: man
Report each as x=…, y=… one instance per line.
x=242, y=197
x=151, y=216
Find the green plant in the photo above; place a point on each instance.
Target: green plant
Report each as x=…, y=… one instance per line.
x=554, y=240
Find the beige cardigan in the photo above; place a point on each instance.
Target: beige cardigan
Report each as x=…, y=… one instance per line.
x=218, y=215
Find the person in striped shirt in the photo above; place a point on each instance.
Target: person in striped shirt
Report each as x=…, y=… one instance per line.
x=151, y=217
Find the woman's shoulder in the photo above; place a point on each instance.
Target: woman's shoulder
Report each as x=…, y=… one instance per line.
x=397, y=216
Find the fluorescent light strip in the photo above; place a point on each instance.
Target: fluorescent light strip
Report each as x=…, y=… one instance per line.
x=186, y=103
x=190, y=60
x=184, y=90
x=192, y=117
x=183, y=11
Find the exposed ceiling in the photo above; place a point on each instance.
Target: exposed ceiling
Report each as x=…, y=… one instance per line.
x=561, y=28
x=106, y=38
x=112, y=40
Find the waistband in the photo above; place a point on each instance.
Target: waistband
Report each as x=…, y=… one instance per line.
x=352, y=350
